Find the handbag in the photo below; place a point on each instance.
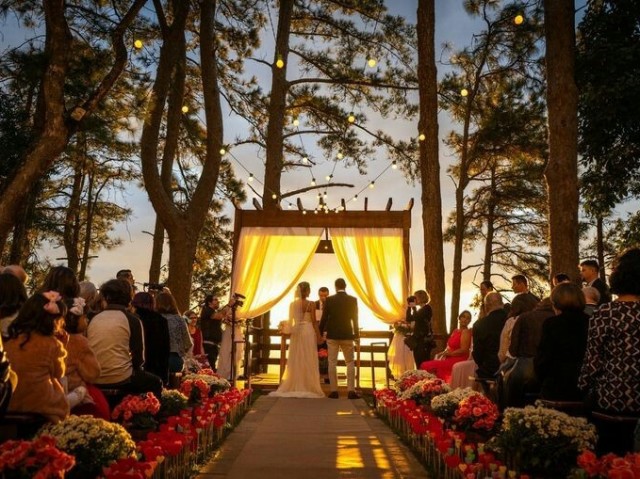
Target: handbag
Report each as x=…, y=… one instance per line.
x=411, y=342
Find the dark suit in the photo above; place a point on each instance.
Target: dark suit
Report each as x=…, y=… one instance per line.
x=522, y=303
x=603, y=289
x=486, y=342
x=421, y=320
x=340, y=322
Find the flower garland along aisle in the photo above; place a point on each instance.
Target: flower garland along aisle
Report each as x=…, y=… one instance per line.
x=182, y=431
x=460, y=434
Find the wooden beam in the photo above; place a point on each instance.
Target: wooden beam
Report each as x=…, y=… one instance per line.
x=299, y=202
x=409, y=205
x=256, y=204
x=343, y=203
x=389, y=203
x=366, y=204
x=343, y=219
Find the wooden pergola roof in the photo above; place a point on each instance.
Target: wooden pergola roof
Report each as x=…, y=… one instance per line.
x=343, y=219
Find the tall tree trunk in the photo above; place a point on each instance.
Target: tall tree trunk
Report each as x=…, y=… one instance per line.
x=70, y=233
x=156, y=252
x=277, y=110
x=88, y=228
x=20, y=239
x=430, y=165
x=600, y=246
x=491, y=218
x=561, y=172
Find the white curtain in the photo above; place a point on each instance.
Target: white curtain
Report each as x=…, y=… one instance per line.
x=268, y=263
x=374, y=265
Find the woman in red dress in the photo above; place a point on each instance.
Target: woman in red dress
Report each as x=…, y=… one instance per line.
x=457, y=350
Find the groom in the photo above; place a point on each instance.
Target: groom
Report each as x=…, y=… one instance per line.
x=340, y=323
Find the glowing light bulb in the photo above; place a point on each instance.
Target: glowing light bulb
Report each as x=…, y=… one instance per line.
x=372, y=62
x=296, y=122
x=518, y=20
x=355, y=198
x=313, y=182
x=223, y=151
x=340, y=156
x=305, y=160
x=304, y=212
x=372, y=184
x=464, y=92
x=274, y=196
x=315, y=212
x=138, y=44
x=280, y=62
x=422, y=137
x=185, y=109
x=394, y=165
x=290, y=205
x=250, y=178
x=351, y=118
x=327, y=177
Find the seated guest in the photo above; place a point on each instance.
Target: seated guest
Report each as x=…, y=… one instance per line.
x=18, y=271
x=486, y=336
x=8, y=381
x=156, y=335
x=12, y=297
x=92, y=299
x=63, y=280
x=179, y=337
x=37, y=357
x=486, y=287
x=82, y=367
x=116, y=337
x=520, y=378
x=610, y=373
x=592, y=298
x=562, y=344
x=457, y=350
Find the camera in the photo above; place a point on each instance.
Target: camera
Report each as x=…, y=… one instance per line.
x=154, y=286
x=239, y=300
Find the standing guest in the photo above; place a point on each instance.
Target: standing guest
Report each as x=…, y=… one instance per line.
x=12, y=297
x=63, y=280
x=421, y=325
x=37, y=357
x=562, y=344
x=211, y=325
x=399, y=355
x=524, y=300
x=486, y=336
x=92, y=299
x=18, y=271
x=323, y=294
x=340, y=323
x=486, y=287
x=82, y=367
x=457, y=349
x=116, y=336
x=560, y=278
x=127, y=275
x=156, y=335
x=179, y=337
x=592, y=298
x=590, y=273
x=610, y=373
x=195, y=332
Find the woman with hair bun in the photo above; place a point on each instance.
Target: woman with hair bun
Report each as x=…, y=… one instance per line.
x=301, y=377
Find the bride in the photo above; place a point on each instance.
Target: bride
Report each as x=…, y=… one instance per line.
x=301, y=378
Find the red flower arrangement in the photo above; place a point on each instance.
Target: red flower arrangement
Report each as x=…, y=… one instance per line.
x=39, y=459
x=323, y=353
x=476, y=413
x=610, y=466
x=137, y=411
x=129, y=468
x=195, y=389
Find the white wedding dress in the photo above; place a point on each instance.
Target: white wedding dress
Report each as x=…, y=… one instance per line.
x=301, y=377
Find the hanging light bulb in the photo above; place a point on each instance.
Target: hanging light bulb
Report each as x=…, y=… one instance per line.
x=340, y=156
x=351, y=118
x=250, y=177
x=290, y=206
x=185, y=109
x=304, y=212
x=394, y=164
x=464, y=92
x=274, y=196
x=372, y=184
x=518, y=19
x=137, y=44
x=305, y=160
x=325, y=196
x=280, y=62
x=422, y=137
x=223, y=151
x=315, y=212
x=296, y=122
x=372, y=62
x=355, y=198
x=313, y=182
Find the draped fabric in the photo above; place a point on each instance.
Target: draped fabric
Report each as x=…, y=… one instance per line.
x=373, y=262
x=268, y=262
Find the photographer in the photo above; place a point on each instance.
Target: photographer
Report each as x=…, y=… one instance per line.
x=211, y=325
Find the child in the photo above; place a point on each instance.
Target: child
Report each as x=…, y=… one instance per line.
x=37, y=357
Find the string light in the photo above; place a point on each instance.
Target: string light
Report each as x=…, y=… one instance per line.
x=422, y=137
x=340, y=155
x=518, y=20
x=313, y=182
x=351, y=118
x=372, y=184
x=223, y=151
x=185, y=109
x=394, y=165
x=280, y=62
x=372, y=62
x=305, y=160
x=250, y=177
x=328, y=177
x=296, y=122
x=464, y=92
x=355, y=198
x=304, y=212
x=274, y=196
x=138, y=44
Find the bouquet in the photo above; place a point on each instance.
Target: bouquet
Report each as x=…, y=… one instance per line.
x=40, y=459
x=445, y=405
x=424, y=391
x=284, y=327
x=215, y=382
x=137, y=411
x=172, y=402
x=323, y=360
x=93, y=442
x=608, y=466
x=541, y=441
x=401, y=327
x=476, y=413
x=195, y=390
x=409, y=378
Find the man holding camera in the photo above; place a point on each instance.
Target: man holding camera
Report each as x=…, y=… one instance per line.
x=211, y=325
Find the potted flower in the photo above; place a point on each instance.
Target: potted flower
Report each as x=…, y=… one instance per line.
x=136, y=412
x=93, y=442
x=477, y=416
x=609, y=466
x=425, y=390
x=542, y=442
x=409, y=378
x=445, y=405
x=172, y=402
x=38, y=458
x=215, y=382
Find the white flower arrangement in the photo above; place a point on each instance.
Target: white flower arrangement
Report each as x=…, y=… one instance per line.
x=214, y=381
x=409, y=378
x=444, y=406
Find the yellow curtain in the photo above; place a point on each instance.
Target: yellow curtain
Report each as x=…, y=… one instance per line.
x=373, y=262
x=268, y=262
